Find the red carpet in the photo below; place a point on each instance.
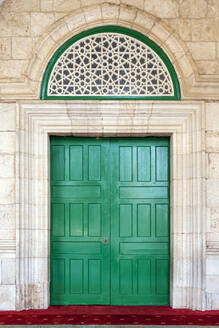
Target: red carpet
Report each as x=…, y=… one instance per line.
x=109, y=315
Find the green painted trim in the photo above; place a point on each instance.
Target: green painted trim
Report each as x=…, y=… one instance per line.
x=114, y=29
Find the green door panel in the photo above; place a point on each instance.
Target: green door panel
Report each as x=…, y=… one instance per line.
x=140, y=221
x=80, y=266
x=110, y=221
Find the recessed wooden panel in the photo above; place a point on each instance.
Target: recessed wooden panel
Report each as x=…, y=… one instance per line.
x=76, y=192
x=94, y=220
x=58, y=223
x=58, y=276
x=76, y=275
x=162, y=220
x=125, y=160
x=76, y=220
x=162, y=163
x=94, y=162
x=125, y=220
x=125, y=277
x=94, y=274
x=162, y=276
x=144, y=163
x=58, y=163
x=143, y=192
x=76, y=247
x=76, y=163
x=143, y=220
x=140, y=248
x=144, y=276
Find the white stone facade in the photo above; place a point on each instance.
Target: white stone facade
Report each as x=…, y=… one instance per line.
x=30, y=32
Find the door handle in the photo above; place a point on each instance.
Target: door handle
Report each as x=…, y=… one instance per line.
x=105, y=241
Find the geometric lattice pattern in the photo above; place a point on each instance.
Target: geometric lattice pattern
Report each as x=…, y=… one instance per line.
x=109, y=64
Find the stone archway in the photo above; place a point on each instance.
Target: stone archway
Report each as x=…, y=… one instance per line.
x=183, y=121
x=110, y=14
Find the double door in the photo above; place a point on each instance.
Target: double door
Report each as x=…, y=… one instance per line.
x=109, y=221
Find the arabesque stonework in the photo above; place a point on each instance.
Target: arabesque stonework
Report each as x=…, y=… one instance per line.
x=30, y=32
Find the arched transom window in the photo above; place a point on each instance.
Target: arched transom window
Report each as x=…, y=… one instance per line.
x=110, y=62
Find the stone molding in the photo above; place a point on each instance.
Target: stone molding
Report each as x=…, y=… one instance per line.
x=193, y=86
x=7, y=248
x=212, y=248
x=182, y=121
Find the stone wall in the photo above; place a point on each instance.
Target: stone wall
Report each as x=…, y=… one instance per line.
x=7, y=205
x=30, y=32
x=212, y=218
x=22, y=23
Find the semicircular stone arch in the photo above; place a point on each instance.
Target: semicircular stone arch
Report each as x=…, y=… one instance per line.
x=110, y=62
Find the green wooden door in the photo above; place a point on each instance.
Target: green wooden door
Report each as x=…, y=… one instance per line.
x=80, y=265
x=110, y=221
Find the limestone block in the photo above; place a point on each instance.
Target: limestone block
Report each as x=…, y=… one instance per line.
x=212, y=116
x=8, y=271
x=87, y=3
x=186, y=66
x=215, y=301
x=212, y=283
x=181, y=26
x=7, y=191
x=93, y=14
x=77, y=20
x=24, y=5
x=202, y=50
x=127, y=13
x=212, y=265
x=7, y=142
x=11, y=69
x=22, y=47
x=218, y=50
x=212, y=142
x=214, y=220
x=208, y=67
x=39, y=268
x=38, y=243
x=15, y=24
x=205, y=29
x=60, y=32
x=194, y=8
x=7, y=297
x=46, y=5
x=160, y=32
x=66, y=5
x=7, y=166
x=213, y=8
x=213, y=165
x=40, y=21
x=7, y=216
x=160, y=8
x=212, y=192
x=7, y=234
x=212, y=239
x=8, y=116
x=48, y=44
x=58, y=15
x=137, y=3
x=174, y=45
x=144, y=20
x=109, y=11
x=5, y=48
